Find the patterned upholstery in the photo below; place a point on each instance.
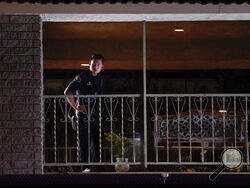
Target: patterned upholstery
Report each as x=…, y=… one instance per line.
x=205, y=129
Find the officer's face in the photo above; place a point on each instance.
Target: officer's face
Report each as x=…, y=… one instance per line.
x=96, y=66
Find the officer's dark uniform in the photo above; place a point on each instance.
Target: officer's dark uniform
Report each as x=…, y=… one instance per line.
x=87, y=84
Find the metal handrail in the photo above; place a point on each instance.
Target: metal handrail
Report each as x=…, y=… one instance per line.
x=121, y=112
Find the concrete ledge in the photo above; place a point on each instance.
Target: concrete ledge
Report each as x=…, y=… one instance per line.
x=161, y=178
x=142, y=17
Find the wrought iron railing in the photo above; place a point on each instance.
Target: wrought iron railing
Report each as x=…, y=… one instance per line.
x=117, y=114
x=188, y=129
x=194, y=129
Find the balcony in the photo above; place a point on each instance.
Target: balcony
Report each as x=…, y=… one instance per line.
x=170, y=129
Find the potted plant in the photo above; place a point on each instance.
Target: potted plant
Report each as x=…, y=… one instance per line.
x=120, y=153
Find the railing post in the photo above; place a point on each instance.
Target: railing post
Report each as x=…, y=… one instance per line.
x=111, y=129
x=167, y=129
x=178, y=128
x=43, y=132
x=190, y=128
x=100, y=129
x=202, y=142
x=66, y=131
x=122, y=127
x=235, y=133
x=247, y=149
x=224, y=121
x=89, y=140
x=212, y=101
x=155, y=122
x=133, y=119
x=55, y=144
x=144, y=92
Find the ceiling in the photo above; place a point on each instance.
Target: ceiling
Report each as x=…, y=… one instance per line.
x=202, y=45
x=155, y=30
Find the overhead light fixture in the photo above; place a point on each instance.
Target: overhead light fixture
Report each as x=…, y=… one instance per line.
x=84, y=65
x=222, y=111
x=178, y=30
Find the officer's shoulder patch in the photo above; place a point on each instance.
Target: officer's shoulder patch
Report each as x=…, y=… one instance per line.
x=78, y=78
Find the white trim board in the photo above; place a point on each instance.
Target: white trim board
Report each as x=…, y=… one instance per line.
x=142, y=17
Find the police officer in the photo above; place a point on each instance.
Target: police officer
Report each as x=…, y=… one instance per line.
x=87, y=111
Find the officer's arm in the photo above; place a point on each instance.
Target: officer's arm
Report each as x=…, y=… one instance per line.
x=71, y=100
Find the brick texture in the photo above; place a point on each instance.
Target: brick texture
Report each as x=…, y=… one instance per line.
x=24, y=35
x=4, y=19
x=20, y=94
x=24, y=19
x=20, y=66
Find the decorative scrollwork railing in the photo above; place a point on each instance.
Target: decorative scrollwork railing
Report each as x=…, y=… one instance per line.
x=116, y=114
x=197, y=128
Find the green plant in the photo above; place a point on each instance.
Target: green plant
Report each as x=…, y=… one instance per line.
x=117, y=144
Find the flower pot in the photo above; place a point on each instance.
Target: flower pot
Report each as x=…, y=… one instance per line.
x=122, y=167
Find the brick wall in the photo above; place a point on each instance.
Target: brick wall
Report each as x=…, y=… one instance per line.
x=20, y=95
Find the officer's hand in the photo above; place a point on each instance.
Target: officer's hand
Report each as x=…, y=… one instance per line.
x=82, y=109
